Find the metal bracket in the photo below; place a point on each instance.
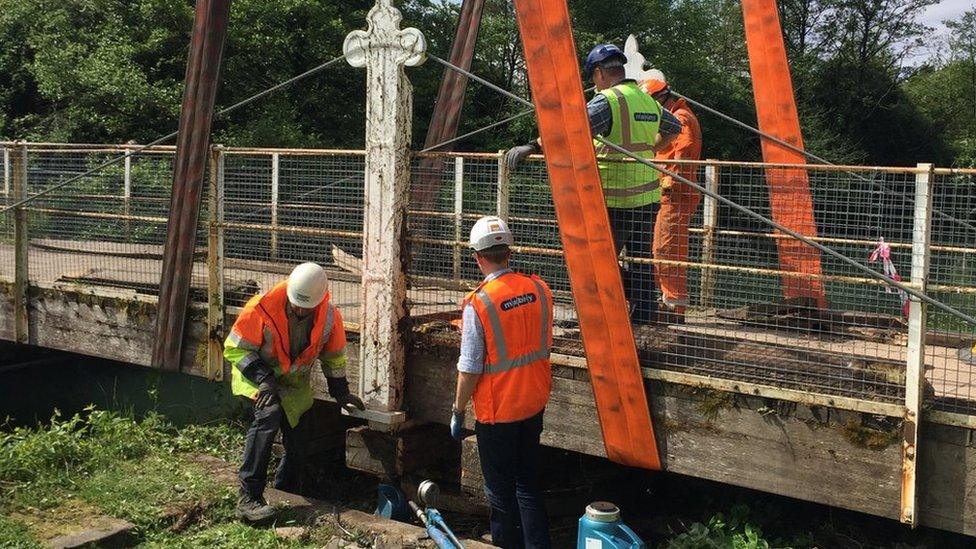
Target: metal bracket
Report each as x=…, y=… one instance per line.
x=378, y=417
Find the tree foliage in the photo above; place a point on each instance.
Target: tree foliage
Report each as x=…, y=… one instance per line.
x=112, y=70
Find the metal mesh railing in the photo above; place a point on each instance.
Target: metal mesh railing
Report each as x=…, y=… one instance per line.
x=286, y=207
x=108, y=229
x=749, y=315
x=949, y=351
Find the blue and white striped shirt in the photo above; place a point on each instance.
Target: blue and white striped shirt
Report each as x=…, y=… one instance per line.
x=472, y=358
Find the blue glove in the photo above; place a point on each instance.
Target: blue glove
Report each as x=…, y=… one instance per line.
x=457, y=424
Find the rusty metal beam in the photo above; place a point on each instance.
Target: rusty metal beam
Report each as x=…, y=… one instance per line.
x=196, y=114
x=450, y=98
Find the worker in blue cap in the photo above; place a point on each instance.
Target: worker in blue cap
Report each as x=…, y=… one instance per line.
x=626, y=116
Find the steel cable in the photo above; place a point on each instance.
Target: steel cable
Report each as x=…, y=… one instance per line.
x=169, y=136
x=808, y=154
x=660, y=166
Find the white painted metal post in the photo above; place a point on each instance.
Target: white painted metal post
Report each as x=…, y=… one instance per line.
x=215, y=267
x=501, y=207
x=384, y=49
x=127, y=192
x=709, y=222
x=915, y=369
x=458, y=214
x=21, y=241
x=274, y=206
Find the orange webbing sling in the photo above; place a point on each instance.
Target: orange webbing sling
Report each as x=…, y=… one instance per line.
x=584, y=226
x=789, y=189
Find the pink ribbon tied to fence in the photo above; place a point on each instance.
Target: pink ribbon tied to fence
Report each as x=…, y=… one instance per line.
x=883, y=252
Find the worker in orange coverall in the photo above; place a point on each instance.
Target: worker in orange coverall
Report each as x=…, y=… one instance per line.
x=678, y=200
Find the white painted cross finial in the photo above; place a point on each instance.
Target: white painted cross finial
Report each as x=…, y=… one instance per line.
x=384, y=36
x=384, y=49
x=635, y=66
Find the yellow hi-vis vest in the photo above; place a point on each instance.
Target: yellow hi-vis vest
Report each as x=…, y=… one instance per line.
x=261, y=331
x=636, y=121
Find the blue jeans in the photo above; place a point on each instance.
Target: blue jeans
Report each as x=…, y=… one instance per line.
x=633, y=228
x=509, y=455
x=253, y=474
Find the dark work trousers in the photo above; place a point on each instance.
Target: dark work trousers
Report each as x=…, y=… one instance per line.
x=509, y=455
x=633, y=229
x=257, y=452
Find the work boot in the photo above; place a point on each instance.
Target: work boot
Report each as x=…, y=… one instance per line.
x=670, y=314
x=254, y=509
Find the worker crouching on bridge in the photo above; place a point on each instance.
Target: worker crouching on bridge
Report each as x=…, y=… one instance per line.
x=624, y=115
x=504, y=364
x=272, y=348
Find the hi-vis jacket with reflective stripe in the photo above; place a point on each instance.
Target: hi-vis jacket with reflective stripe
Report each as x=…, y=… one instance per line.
x=636, y=121
x=261, y=331
x=515, y=311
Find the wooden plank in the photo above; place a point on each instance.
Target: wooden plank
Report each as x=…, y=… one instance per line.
x=425, y=450
x=215, y=268
x=709, y=224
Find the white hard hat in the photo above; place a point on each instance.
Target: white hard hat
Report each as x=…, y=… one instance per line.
x=307, y=285
x=653, y=81
x=490, y=231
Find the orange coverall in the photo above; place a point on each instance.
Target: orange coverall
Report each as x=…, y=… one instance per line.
x=678, y=204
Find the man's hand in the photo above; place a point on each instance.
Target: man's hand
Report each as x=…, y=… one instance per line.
x=516, y=155
x=351, y=402
x=339, y=390
x=267, y=393
x=457, y=424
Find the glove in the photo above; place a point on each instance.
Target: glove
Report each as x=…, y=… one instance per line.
x=257, y=371
x=339, y=390
x=516, y=155
x=457, y=423
x=267, y=393
x=351, y=402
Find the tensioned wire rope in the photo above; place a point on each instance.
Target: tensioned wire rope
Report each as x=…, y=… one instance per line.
x=661, y=167
x=711, y=110
x=808, y=154
x=163, y=139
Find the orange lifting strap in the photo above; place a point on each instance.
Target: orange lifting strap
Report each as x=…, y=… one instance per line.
x=584, y=226
x=789, y=189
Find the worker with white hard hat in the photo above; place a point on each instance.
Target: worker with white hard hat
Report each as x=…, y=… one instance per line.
x=272, y=348
x=506, y=337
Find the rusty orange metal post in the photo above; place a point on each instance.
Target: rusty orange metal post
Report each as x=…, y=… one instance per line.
x=193, y=140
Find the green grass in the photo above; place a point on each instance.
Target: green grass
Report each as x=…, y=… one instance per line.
x=142, y=491
x=62, y=476
x=14, y=534
x=137, y=470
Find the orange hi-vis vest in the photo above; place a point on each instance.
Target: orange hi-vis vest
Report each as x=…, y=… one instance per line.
x=261, y=330
x=263, y=327
x=515, y=311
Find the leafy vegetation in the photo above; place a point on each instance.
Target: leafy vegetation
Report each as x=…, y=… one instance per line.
x=104, y=462
x=108, y=70
x=734, y=531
